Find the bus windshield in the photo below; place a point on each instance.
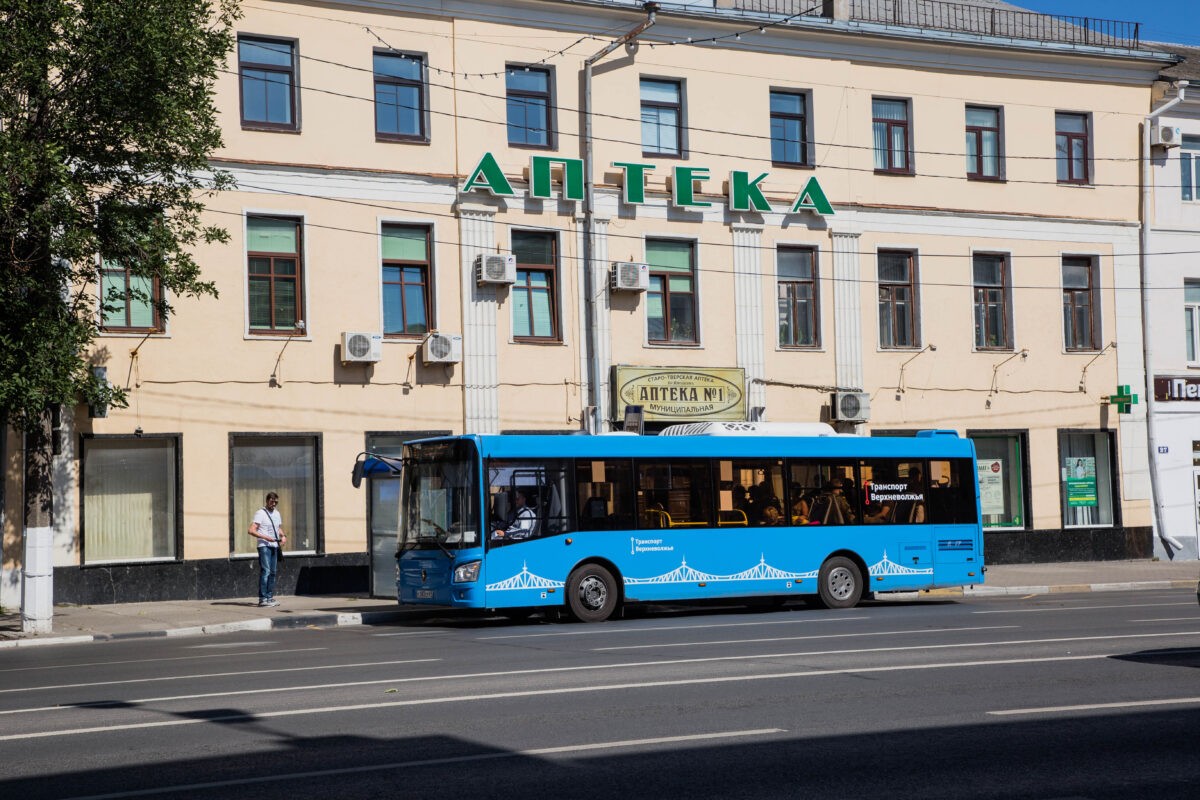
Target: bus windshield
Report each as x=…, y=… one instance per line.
x=441, y=496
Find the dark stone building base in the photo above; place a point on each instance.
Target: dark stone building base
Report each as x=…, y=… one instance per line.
x=1073, y=544
x=210, y=579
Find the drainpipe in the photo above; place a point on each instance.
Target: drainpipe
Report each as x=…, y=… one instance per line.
x=595, y=423
x=1151, y=436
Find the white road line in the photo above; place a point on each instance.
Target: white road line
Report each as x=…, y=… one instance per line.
x=293, y=712
x=215, y=675
x=604, y=630
x=413, y=633
x=1170, y=701
x=802, y=638
x=600, y=667
x=1166, y=619
x=41, y=668
x=1081, y=608
x=428, y=762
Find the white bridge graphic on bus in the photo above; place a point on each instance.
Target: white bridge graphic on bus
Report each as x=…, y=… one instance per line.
x=762, y=571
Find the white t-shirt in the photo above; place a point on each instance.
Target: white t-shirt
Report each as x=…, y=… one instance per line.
x=269, y=523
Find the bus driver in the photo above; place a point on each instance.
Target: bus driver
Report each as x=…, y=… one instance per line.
x=523, y=522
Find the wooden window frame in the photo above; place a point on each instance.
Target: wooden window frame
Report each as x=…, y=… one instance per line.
x=548, y=96
x=1070, y=296
x=426, y=268
x=801, y=118
x=980, y=299
x=420, y=85
x=891, y=124
x=156, y=297
x=913, y=328
x=551, y=272
x=790, y=283
x=1070, y=137
x=298, y=256
x=677, y=106
x=975, y=172
x=293, y=73
x=665, y=275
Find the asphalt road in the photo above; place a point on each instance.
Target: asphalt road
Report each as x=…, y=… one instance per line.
x=1064, y=696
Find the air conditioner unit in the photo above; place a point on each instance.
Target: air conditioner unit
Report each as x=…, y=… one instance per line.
x=629, y=276
x=360, y=347
x=851, y=406
x=441, y=348
x=496, y=269
x=1165, y=135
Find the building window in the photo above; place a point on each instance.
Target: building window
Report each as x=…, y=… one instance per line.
x=1002, y=469
x=275, y=275
x=799, y=320
x=406, y=271
x=288, y=465
x=891, y=130
x=897, y=299
x=1087, y=478
x=789, y=128
x=1189, y=168
x=130, y=504
x=1191, y=319
x=671, y=299
x=983, y=143
x=529, y=119
x=535, y=294
x=992, y=293
x=662, y=117
x=1071, y=147
x=128, y=301
x=267, y=72
x=400, y=97
x=1081, y=329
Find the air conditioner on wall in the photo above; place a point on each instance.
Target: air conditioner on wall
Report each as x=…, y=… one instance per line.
x=1165, y=135
x=851, y=406
x=629, y=276
x=441, y=348
x=500, y=268
x=361, y=347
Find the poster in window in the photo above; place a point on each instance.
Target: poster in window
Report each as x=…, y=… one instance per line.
x=991, y=485
x=1080, y=478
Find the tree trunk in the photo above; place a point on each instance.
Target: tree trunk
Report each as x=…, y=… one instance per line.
x=37, y=595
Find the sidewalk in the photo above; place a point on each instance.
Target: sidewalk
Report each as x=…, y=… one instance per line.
x=196, y=617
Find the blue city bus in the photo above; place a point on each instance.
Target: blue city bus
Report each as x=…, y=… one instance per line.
x=705, y=511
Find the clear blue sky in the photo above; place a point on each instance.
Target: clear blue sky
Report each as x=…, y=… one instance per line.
x=1176, y=21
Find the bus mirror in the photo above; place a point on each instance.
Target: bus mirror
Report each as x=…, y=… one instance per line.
x=356, y=475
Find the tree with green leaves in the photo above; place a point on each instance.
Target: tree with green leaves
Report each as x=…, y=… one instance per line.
x=106, y=125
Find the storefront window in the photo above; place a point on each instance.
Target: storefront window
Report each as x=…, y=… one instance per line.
x=1086, y=478
x=130, y=496
x=286, y=465
x=1000, y=462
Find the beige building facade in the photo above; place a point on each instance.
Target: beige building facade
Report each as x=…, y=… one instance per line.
x=885, y=227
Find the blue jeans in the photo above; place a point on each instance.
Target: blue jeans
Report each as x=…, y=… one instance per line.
x=268, y=566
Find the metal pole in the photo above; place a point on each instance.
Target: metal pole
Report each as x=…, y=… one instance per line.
x=594, y=424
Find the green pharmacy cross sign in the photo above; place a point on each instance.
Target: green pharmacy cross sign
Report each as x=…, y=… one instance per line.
x=1123, y=400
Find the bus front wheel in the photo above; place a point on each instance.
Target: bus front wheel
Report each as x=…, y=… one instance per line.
x=840, y=583
x=592, y=593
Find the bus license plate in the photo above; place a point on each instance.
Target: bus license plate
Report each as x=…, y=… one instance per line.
x=424, y=594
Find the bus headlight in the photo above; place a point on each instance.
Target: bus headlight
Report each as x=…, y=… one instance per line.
x=467, y=573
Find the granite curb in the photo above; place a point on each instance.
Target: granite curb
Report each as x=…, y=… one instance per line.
x=323, y=620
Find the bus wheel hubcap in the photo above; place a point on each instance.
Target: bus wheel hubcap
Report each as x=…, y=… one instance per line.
x=841, y=583
x=593, y=592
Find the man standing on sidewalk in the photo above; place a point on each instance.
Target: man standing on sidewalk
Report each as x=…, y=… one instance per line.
x=267, y=527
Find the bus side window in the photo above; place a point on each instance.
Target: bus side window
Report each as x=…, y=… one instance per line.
x=952, y=491
x=603, y=494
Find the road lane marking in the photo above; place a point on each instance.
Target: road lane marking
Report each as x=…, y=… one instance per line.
x=1166, y=619
x=216, y=675
x=565, y=690
x=803, y=638
x=610, y=629
x=155, y=660
x=1170, y=701
x=428, y=762
x=1080, y=608
x=590, y=668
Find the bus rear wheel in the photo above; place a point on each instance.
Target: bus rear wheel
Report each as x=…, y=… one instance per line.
x=840, y=583
x=592, y=593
